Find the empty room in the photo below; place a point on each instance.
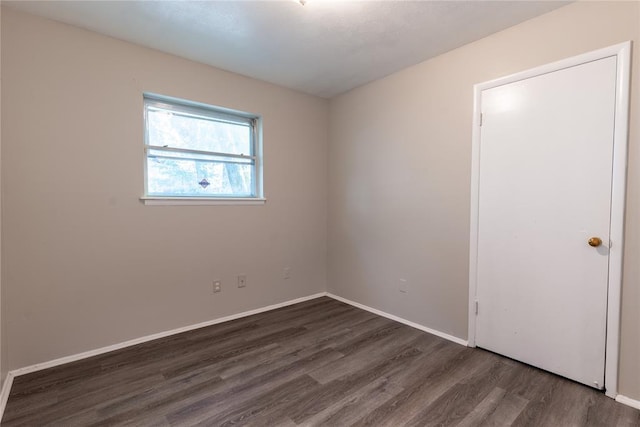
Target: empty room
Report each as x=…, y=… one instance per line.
x=320, y=213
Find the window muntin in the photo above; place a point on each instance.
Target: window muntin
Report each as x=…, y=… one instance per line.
x=195, y=150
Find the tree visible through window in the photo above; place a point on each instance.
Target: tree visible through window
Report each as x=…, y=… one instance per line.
x=195, y=150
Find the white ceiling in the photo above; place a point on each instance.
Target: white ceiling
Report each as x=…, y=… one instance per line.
x=323, y=48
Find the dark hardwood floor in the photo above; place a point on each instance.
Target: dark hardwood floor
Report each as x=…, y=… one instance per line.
x=318, y=363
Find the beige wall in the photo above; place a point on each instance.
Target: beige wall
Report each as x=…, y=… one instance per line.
x=399, y=173
x=3, y=346
x=85, y=263
x=630, y=343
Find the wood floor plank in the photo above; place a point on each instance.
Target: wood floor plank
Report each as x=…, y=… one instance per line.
x=487, y=408
x=172, y=395
x=315, y=340
x=449, y=363
x=355, y=405
x=317, y=363
x=250, y=410
x=569, y=405
x=369, y=353
x=506, y=410
x=205, y=358
x=246, y=387
x=527, y=381
x=627, y=417
x=313, y=402
x=89, y=400
x=28, y=405
x=538, y=405
x=457, y=402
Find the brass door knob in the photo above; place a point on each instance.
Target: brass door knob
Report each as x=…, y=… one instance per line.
x=595, y=242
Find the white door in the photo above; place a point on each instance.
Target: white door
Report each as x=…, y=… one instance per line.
x=546, y=153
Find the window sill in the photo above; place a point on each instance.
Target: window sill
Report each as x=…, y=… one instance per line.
x=200, y=201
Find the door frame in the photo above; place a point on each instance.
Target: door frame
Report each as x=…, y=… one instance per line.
x=622, y=52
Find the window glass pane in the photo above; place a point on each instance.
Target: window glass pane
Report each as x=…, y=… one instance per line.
x=199, y=178
x=224, y=163
x=170, y=129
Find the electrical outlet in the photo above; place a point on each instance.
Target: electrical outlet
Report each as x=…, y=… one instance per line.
x=242, y=281
x=217, y=286
x=286, y=273
x=403, y=286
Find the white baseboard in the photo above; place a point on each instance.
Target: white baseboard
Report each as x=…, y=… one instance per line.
x=619, y=398
x=6, y=388
x=102, y=350
x=628, y=401
x=4, y=394
x=8, y=382
x=85, y=355
x=401, y=320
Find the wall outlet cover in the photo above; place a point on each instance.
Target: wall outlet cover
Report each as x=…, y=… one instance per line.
x=242, y=281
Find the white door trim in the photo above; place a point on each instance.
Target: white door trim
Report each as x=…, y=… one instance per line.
x=622, y=52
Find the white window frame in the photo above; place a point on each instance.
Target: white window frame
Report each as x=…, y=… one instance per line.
x=205, y=110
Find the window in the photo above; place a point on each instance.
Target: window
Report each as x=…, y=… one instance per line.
x=199, y=152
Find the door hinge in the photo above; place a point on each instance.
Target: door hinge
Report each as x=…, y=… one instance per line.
x=476, y=307
x=480, y=119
